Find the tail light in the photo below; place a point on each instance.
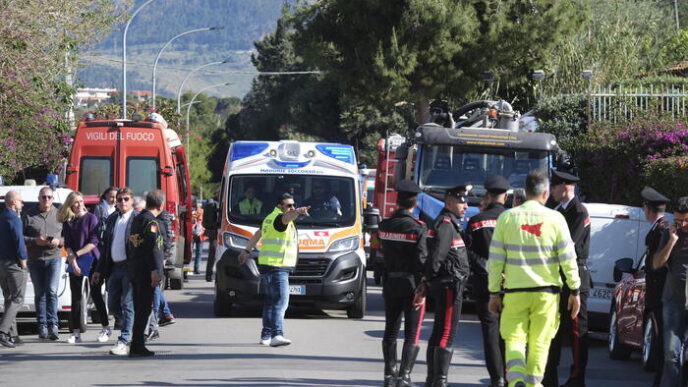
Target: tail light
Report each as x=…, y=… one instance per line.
x=171, y=207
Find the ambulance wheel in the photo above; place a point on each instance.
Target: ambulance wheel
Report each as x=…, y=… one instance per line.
x=617, y=350
x=358, y=308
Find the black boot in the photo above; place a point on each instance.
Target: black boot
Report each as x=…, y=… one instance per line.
x=430, y=361
x=408, y=359
x=389, y=354
x=440, y=370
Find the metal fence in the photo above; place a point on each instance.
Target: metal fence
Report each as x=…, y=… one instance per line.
x=623, y=104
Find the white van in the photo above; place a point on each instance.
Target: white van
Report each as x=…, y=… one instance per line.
x=617, y=231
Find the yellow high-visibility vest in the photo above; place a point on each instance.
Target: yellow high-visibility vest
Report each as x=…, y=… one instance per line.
x=278, y=249
x=250, y=206
x=530, y=244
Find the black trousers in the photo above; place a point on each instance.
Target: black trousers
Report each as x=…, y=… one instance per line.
x=577, y=331
x=448, y=303
x=212, y=246
x=398, y=301
x=76, y=287
x=656, y=314
x=143, y=300
x=493, y=345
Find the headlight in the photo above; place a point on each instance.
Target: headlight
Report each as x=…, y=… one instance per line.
x=234, y=240
x=346, y=244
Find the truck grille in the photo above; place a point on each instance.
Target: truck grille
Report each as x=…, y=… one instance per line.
x=306, y=267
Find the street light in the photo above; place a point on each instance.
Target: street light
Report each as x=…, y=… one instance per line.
x=179, y=92
x=157, y=58
x=124, y=59
x=188, y=112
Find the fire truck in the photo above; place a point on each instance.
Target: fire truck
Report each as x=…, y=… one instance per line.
x=143, y=155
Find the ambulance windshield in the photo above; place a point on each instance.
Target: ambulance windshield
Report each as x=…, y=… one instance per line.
x=332, y=199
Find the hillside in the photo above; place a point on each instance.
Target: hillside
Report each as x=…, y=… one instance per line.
x=244, y=21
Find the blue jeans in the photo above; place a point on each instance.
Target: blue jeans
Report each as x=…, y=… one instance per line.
x=275, y=283
x=198, y=244
x=121, y=300
x=159, y=305
x=674, y=313
x=45, y=276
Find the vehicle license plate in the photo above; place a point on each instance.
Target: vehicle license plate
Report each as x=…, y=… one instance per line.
x=297, y=289
x=602, y=293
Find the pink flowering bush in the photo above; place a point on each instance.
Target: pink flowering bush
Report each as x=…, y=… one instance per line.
x=617, y=160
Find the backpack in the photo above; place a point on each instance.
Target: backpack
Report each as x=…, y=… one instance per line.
x=210, y=215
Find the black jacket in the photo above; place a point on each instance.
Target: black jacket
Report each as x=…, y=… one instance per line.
x=404, y=245
x=578, y=220
x=480, y=229
x=148, y=241
x=448, y=259
x=654, y=278
x=105, y=262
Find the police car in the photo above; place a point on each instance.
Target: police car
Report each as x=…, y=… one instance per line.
x=29, y=192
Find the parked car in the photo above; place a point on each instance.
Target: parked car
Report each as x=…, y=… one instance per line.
x=630, y=328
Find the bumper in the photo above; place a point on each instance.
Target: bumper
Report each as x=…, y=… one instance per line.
x=324, y=280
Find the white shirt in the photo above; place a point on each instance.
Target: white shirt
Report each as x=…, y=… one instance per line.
x=111, y=209
x=118, y=250
x=563, y=206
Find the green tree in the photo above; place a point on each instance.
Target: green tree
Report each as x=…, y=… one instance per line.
x=39, y=45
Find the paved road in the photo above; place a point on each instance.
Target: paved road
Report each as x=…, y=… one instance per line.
x=201, y=350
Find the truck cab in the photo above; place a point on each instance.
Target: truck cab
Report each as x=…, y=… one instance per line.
x=330, y=270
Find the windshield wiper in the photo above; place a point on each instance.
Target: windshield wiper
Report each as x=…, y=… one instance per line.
x=435, y=190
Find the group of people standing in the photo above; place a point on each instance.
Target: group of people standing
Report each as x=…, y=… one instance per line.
x=116, y=244
x=666, y=266
x=526, y=265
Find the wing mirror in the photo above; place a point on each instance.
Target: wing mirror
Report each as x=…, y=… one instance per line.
x=371, y=219
x=623, y=265
x=168, y=170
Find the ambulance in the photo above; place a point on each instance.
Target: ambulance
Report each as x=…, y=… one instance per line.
x=143, y=155
x=330, y=270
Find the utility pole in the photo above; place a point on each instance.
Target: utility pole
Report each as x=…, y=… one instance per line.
x=678, y=26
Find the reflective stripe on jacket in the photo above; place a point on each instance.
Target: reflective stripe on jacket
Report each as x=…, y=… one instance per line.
x=530, y=245
x=278, y=249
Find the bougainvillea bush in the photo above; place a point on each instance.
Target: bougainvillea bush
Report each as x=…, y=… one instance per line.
x=616, y=161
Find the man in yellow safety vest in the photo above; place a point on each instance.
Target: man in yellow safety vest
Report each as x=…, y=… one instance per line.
x=276, y=260
x=531, y=245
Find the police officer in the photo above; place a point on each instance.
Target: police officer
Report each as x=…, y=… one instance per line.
x=530, y=247
x=403, y=240
x=145, y=267
x=480, y=229
x=578, y=221
x=446, y=271
x=654, y=206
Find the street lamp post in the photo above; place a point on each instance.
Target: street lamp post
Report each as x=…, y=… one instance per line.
x=124, y=59
x=188, y=112
x=157, y=58
x=587, y=75
x=181, y=86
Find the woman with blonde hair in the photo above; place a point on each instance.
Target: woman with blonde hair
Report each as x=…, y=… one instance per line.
x=80, y=231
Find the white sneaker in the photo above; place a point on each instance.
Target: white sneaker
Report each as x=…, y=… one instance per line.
x=73, y=339
x=104, y=335
x=279, y=341
x=120, y=349
x=265, y=342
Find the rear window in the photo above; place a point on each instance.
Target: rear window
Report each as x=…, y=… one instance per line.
x=142, y=174
x=95, y=175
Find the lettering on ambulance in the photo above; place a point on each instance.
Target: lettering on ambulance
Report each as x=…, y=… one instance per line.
x=128, y=136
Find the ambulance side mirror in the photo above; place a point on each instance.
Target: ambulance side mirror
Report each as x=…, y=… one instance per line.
x=70, y=169
x=371, y=219
x=621, y=266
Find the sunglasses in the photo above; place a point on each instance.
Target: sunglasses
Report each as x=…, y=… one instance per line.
x=124, y=199
x=46, y=197
x=292, y=205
